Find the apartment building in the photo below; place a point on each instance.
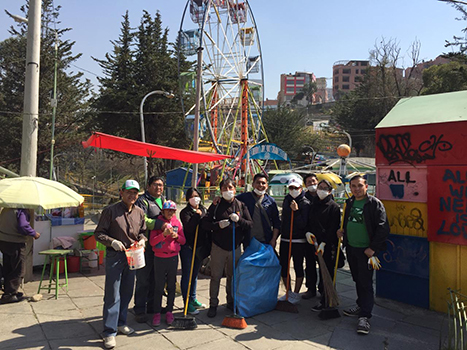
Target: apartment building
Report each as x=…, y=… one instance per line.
x=347, y=75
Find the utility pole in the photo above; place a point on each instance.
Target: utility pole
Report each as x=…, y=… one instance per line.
x=31, y=92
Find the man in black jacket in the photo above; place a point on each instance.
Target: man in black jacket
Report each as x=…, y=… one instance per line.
x=219, y=220
x=151, y=202
x=365, y=231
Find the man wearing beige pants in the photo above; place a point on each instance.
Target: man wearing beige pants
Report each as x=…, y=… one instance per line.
x=220, y=219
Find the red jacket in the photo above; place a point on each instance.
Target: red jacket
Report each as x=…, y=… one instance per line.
x=167, y=247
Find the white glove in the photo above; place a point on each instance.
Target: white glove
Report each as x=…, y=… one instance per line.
x=311, y=239
x=234, y=217
x=374, y=263
x=141, y=243
x=224, y=223
x=321, y=248
x=117, y=245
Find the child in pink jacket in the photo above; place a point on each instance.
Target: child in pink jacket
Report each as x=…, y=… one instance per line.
x=166, y=245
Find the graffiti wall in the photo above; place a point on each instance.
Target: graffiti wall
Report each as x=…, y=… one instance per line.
x=402, y=183
x=407, y=218
x=421, y=144
x=448, y=204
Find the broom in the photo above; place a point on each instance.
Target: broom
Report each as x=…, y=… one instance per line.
x=285, y=305
x=234, y=321
x=339, y=247
x=187, y=322
x=330, y=294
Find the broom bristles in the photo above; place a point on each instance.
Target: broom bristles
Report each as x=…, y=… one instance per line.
x=332, y=299
x=184, y=323
x=234, y=321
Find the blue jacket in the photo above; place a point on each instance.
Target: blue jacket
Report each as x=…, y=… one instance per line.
x=269, y=205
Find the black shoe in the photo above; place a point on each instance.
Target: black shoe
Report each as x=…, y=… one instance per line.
x=11, y=298
x=230, y=306
x=141, y=318
x=310, y=293
x=212, y=312
x=317, y=307
x=352, y=312
x=363, y=326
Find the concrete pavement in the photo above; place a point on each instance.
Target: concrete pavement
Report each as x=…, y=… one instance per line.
x=74, y=321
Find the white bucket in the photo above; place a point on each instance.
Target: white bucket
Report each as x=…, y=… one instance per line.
x=93, y=259
x=135, y=258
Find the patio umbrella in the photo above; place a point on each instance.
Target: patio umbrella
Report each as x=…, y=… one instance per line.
x=36, y=193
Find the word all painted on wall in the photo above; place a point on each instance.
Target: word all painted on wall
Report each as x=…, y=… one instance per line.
x=401, y=183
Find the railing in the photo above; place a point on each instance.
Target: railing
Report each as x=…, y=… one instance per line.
x=457, y=322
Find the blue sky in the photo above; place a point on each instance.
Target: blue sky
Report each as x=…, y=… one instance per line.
x=296, y=35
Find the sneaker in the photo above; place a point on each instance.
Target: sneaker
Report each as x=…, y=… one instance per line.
x=197, y=304
x=11, y=298
x=169, y=318
x=141, y=318
x=352, y=312
x=125, y=330
x=156, y=320
x=192, y=310
x=317, y=307
x=110, y=342
x=363, y=326
x=310, y=293
x=212, y=312
x=294, y=298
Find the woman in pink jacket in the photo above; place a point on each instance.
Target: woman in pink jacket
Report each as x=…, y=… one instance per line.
x=166, y=245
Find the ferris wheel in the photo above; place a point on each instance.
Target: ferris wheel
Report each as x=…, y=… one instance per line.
x=231, y=80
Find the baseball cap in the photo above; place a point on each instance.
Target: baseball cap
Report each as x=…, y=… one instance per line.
x=130, y=184
x=294, y=182
x=169, y=205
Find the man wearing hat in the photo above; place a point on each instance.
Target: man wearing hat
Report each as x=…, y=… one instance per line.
x=120, y=226
x=295, y=202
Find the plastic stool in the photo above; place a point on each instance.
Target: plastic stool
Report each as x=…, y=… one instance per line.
x=53, y=256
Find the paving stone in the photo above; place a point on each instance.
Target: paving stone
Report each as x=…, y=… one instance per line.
x=185, y=339
x=224, y=343
x=81, y=343
x=65, y=330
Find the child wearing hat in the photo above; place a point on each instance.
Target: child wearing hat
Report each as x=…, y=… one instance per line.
x=166, y=246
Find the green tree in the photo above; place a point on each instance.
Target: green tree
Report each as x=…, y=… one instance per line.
x=307, y=92
x=447, y=77
x=72, y=92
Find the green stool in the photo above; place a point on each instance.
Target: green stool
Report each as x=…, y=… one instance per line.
x=54, y=255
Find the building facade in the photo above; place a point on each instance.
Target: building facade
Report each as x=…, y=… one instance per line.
x=347, y=75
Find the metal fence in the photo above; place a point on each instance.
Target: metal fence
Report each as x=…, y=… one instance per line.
x=457, y=322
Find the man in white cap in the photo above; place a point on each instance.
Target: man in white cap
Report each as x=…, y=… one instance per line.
x=120, y=226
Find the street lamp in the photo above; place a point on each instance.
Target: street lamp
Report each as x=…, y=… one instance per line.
x=20, y=19
x=141, y=118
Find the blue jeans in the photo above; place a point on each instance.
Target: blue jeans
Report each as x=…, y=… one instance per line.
x=119, y=282
x=186, y=254
x=144, y=290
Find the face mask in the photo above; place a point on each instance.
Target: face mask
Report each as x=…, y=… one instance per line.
x=194, y=201
x=322, y=194
x=258, y=192
x=228, y=195
x=312, y=188
x=294, y=193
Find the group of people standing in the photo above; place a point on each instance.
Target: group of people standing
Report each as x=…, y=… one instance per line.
x=150, y=221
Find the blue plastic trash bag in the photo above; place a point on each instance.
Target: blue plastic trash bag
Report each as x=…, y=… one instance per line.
x=258, y=276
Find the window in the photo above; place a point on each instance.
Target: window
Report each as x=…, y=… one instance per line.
x=363, y=71
x=364, y=63
x=336, y=71
x=358, y=79
x=336, y=79
x=346, y=71
x=336, y=87
x=290, y=90
x=345, y=78
x=290, y=82
x=345, y=87
x=356, y=71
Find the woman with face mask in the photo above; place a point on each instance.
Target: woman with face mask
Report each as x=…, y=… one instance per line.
x=191, y=216
x=297, y=203
x=323, y=222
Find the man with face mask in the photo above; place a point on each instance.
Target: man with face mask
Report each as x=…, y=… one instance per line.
x=263, y=210
x=219, y=220
x=297, y=202
x=323, y=222
x=311, y=276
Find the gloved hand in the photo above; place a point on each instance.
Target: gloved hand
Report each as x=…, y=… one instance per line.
x=374, y=263
x=141, y=243
x=234, y=217
x=117, y=245
x=321, y=248
x=224, y=223
x=311, y=239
